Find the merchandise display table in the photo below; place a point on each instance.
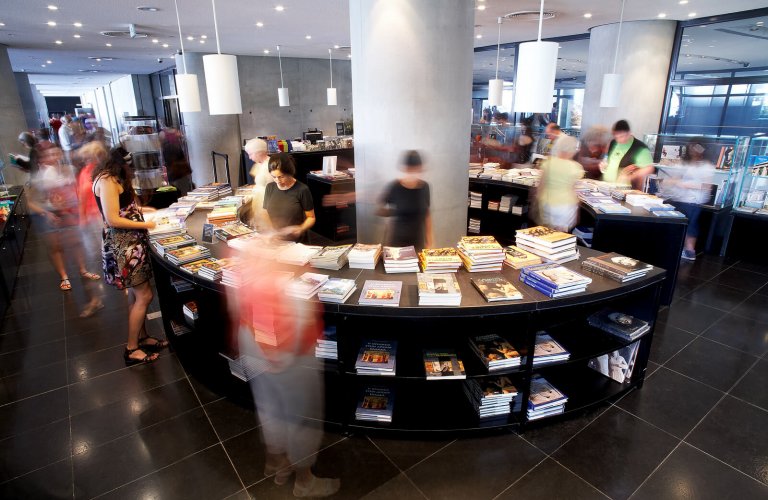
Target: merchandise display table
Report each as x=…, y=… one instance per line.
x=13, y=234
x=427, y=405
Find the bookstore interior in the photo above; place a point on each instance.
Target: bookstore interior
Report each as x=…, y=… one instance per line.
x=365, y=292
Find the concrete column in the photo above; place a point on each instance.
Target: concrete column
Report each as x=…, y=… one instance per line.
x=27, y=100
x=206, y=133
x=411, y=89
x=644, y=57
x=13, y=121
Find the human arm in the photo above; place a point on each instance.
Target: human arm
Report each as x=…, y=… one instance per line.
x=428, y=241
x=109, y=193
x=385, y=209
x=296, y=231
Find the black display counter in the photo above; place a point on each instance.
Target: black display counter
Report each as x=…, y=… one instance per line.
x=13, y=235
x=422, y=405
x=744, y=235
x=334, y=207
x=307, y=161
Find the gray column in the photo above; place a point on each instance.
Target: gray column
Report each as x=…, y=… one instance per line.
x=644, y=57
x=412, y=84
x=12, y=122
x=206, y=133
x=27, y=100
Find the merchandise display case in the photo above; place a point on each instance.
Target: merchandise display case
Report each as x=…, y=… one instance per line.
x=142, y=140
x=14, y=224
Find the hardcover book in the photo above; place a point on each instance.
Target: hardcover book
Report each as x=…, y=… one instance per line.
x=544, y=395
x=555, y=276
x=620, y=264
x=545, y=236
x=480, y=244
x=377, y=357
x=195, y=266
x=496, y=289
x=375, y=404
x=495, y=351
x=381, y=293
x=619, y=324
x=442, y=364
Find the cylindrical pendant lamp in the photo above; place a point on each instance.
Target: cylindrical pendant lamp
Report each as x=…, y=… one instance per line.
x=223, y=84
x=188, y=93
x=535, y=77
x=330, y=92
x=282, y=97
x=496, y=85
x=611, y=91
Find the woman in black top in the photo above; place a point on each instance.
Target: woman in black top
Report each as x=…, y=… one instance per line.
x=288, y=202
x=406, y=200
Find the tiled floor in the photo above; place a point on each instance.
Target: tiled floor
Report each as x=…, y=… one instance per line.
x=75, y=423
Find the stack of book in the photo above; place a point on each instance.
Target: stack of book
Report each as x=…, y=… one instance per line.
x=232, y=274
x=306, y=285
x=495, y=352
x=549, y=244
x=336, y=290
x=673, y=214
x=507, y=202
x=215, y=270
x=438, y=289
x=182, y=209
x=554, y=280
x=616, y=267
x=181, y=285
x=172, y=242
x=548, y=350
x=517, y=258
x=194, y=267
x=545, y=399
x=490, y=397
x=401, y=260
x=621, y=325
x=333, y=258
x=614, y=209
x=474, y=226
x=443, y=364
x=496, y=289
x=481, y=253
x=643, y=200
x=187, y=254
x=297, y=254
x=244, y=367
x=179, y=328
x=660, y=208
x=190, y=311
x=166, y=224
x=377, y=357
x=327, y=345
x=364, y=256
x=381, y=293
x=375, y=405
x=203, y=193
x=232, y=230
x=475, y=200
x=519, y=209
x=439, y=259
x=494, y=205
x=222, y=215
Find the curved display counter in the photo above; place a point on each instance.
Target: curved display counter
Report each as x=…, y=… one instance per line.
x=430, y=405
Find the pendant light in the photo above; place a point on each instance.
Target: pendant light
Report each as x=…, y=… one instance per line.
x=496, y=86
x=187, y=89
x=282, y=93
x=331, y=91
x=221, y=79
x=535, y=74
x=610, y=94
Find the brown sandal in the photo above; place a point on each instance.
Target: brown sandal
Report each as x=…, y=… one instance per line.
x=65, y=285
x=158, y=345
x=129, y=361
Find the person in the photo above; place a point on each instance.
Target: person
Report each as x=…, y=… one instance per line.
x=407, y=200
x=55, y=123
x=556, y=200
x=179, y=170
x=593, y=148
x=125, y=251
x=257, y=151
x=524, y=142
x=686, y=191
x=65, y=137
x=552, y=131
x=93, y=154
x=288, y=202
x=629, y=160
x=28, y=163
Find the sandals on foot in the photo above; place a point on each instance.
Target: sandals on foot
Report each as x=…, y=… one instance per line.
x=129, y=361
x=65, y=285
x=156, y=345
x=91, y=309
x=91, y=276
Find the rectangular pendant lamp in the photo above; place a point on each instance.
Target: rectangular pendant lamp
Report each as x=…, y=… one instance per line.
x=221, y=79
x=496, y=85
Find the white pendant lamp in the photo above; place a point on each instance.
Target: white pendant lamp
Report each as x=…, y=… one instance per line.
x=331, y=91
x=535, y=74
x=221, y=79
x=282, y=93
x=496, y=86
x=187, y=89
x=610, y=95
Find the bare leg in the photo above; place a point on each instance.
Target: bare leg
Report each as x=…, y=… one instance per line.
x=54, y=253
x=690, y=243
x=140, y=297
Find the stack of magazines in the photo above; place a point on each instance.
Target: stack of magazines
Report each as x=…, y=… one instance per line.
x=619, y=324
x=495, y=352
x=327, y=345
x=306, y=285
x=438, y=289
x=496, y=289
x=190, y=311
x=381, y=293
x=516, y=258
x=475, y=200
x=549, y=244
x=187, y=254
x=616, y=267
x=490, y=397
x=481, y=253
x=162, y=244
x=545, y=399
x=181, y=285
x=439, y=259
x=364, y=256
x=473, y=226
x=377, y=357
x=232, y=230
x=215, y=270
x=443, y=364
x=554, y=280
x=375, y=405
x=401, y=260
x=336, y=290
x=297, y=254
x=333, y=258
x=548, y=350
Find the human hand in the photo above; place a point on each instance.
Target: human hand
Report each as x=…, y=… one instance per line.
x=151, y=224
x=603, y=166
x=53, y=219
x=291, y=231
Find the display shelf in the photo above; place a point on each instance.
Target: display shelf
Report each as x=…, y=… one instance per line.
x=13, y=234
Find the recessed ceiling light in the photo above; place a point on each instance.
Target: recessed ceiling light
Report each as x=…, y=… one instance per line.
x=308, y=37
x=42, y=65
x=165, y=45
x=349, y=55
x=711, y=46
x=51, y=23
x=147, y=9
x=76, y=35
x=259, y=24
x=279, y=8
x=48, y=62
x=190, y=38
x=759, y=23
x=109, y=45
x=77, y=25
x=155, y=40
x=335, y=46
x=481, y=7
x=691, y=14
x=58, y=42
x=661, y=15
x=98, y=59
x=683, y=2
x=266, y=51
x=478, y=36
x=587, y=15
x=2, y=24
x=203, y=36
x=52, y=7
x=202, y=41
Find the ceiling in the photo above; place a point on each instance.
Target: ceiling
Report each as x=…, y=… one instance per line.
x=32, y=41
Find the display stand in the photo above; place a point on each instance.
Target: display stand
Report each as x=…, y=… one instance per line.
x=214, y=155
x=337, y=220
x=13, y=235
x=501, y=225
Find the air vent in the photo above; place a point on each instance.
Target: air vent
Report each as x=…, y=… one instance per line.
x=123, y=34
x=528, y=15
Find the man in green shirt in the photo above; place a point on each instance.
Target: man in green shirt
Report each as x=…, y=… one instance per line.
x=629, y=159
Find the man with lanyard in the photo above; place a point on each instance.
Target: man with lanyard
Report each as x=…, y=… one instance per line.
x=628, y=159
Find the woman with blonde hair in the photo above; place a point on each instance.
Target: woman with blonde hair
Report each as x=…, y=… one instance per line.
x=558, y=205
x=257, y=152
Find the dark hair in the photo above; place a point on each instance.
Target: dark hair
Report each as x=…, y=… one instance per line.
x=621, y=126
x=117, y=166
x=695, y=142
x=553, y=126
x=412, y=159
x=282, y=162
x=43, y=134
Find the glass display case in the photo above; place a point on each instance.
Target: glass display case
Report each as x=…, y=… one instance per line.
x=751, y=197
x=142, y=140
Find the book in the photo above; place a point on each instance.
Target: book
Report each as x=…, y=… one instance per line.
x=545, y=237
x=331, y=257
x=480, y=253
x=297, y=254
x=377, y=357
x=376, y=404
x=517, y=258
x=479, y=244
x=173, y=242
x=436, y=259
x=381, y=293
x=620, y=264
x=540, y=287
x=614, y=209
x=619, y=324
x=495, y=352
x=617, y=365
x=545, y=399
x=548, y=350
x=336, y=290
x=491, y=397
x=363, y=256
x=231, y=231
x=215, y=270
x=443, y=364
x=195, y=266
x=327, y=345
x=306, y=285
x=496, y=289
x=187, y=254
x=190, y=310
x=669, y=213
x=555, y=276
x=438, y=289
x=401, y=260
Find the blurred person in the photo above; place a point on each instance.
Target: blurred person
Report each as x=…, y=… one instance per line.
x=257, y=152
x=65, y=137
x=556, y=200
x=629, y=160
x=277, y=335
x=28, y=162
x=407, y=200
x=43, y=136
x=524, y=142
x=55, y=123
x=552, y=131
x=125, y=251
x=689, y=190
x=93, y=155
x=288, y=203
x=179, y=169
x=594, y=147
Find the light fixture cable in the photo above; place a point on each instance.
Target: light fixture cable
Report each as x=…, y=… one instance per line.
x=181, y=38
x=541, y=18
x=216, y=27
x=618, y=37
x=280, y=62
x=498, y=48
x=330, y=63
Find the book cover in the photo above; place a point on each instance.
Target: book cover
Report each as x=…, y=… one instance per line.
x=377, y=355
x=443, y=364
x=619, y=323
x=555, y=275
x=493, y=348
x=400, y=254
x=620, y=263
x=496, y=289
x=547, y=347
x=515, y=255
x=495, y=387
x=386, y=293
x=195, y=266
x=479, y=243
x=546, y=236
x=175, y=241
x=437, y=284
x=544, y=394
x=186, y=252
x=440, y=255
x=375, y=403
x=618, y=364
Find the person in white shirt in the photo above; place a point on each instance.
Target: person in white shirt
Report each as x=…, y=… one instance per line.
x=257, y=152
x=65, y=137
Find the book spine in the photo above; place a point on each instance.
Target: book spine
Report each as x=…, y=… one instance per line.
x=591, y=267
x=538, y=279
x=538, y=287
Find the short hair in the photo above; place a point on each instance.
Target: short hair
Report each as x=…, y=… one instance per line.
x=565, y=145
x=412, y=159
x=553, y=126
x=255, y=145
x=621, y=126
x=95, y=150
x=43, y=134
x=284, y=163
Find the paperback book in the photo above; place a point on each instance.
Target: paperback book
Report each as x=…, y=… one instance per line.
x=332, y=257
x=495, y=352
x=438, y=289
x=381, y=293
x=327, y=345
x=306, y=285
x=619, y=324
x=443, y=364
x=375, y=404
x=439, y=259
x=517, y=258
x=195, y=266
x=548, y=350
x=377, y=357
x=401, y=260
x=187, y=254
x=297, y=254
x=173, y=242
x=336, y=290
x=490, y=397
x=363, y=256
x=496, y=289
x=545, y=399
x=232, y=230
